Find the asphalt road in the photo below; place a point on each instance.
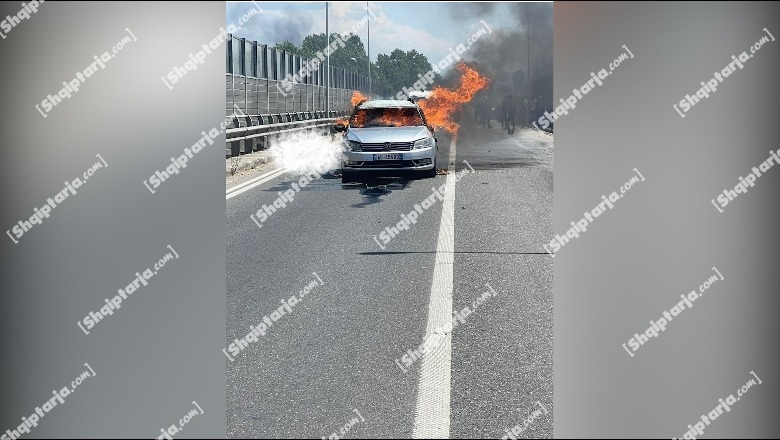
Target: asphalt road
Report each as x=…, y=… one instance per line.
x=337, y=354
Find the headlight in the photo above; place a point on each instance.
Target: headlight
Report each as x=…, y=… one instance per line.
x=423, y=143
x=352, y=145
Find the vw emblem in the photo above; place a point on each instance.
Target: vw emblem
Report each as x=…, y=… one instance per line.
x=387, y=146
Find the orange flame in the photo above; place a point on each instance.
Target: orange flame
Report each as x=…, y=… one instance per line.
x=397, y=117
x=360, y=119
x=443, y=102
x=357, y=97
x=390, y=117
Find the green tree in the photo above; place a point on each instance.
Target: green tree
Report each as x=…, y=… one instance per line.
x=400, y=68
x=390, y=73
x=341, y=56
x=380, y=84
x=288, y=47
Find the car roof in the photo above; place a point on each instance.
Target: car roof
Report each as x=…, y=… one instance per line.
x=388, y=103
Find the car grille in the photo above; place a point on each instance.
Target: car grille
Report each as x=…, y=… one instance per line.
x=394, y=146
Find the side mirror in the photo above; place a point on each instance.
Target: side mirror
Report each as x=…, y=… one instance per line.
x=340, y=127
x=430, y=127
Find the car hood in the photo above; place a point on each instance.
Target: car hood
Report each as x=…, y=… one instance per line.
x=374, y=135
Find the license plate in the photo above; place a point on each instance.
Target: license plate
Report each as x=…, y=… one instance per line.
x=388, y=157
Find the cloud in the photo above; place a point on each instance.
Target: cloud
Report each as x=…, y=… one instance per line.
x=277, y=24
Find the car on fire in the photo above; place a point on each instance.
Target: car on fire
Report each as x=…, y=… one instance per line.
x=386, y=136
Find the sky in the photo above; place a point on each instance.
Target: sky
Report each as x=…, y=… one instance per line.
x=430, y=28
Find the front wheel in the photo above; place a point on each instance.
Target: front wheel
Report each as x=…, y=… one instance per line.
x=428, y=174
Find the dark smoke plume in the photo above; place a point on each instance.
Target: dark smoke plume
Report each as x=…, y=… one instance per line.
x=467, y=11
x=503, y=56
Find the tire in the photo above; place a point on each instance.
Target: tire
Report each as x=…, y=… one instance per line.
x=429, y=174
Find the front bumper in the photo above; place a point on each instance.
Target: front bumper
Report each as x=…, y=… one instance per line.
x=420, y=159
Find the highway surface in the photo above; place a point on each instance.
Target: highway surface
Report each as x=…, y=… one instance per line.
x=338, y=353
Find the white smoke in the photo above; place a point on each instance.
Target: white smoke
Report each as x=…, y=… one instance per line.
x=304, y=152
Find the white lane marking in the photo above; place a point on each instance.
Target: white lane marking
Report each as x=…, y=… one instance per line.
x=251, y=181
x=432, y=416
x=264, y=178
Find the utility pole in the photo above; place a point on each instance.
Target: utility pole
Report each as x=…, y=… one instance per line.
x=528, y=42
x=327, y=48
x=369, y=51
x=528, y=38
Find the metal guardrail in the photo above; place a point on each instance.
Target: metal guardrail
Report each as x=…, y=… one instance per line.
x=257, y=132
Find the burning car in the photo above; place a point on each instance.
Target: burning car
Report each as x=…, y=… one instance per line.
x=387, y=135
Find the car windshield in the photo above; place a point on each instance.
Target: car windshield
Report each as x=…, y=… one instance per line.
x=386, y=117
